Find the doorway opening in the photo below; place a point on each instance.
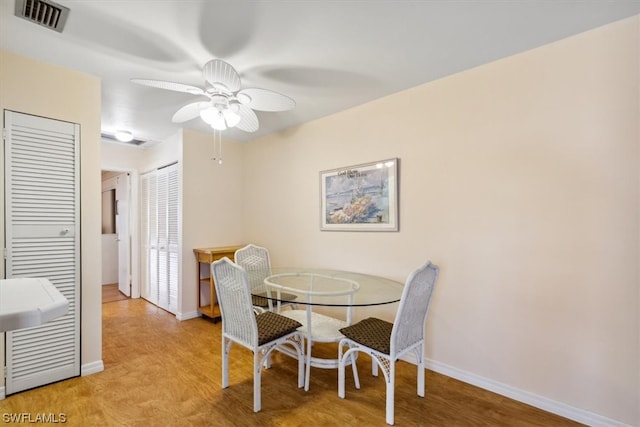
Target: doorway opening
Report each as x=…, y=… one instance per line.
x=116, y=235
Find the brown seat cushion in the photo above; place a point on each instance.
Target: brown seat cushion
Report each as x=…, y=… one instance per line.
x=261, y=300
x=272, y=326
x=371, y=332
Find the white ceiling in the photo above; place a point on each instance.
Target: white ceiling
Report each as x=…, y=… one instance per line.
x=327, y=55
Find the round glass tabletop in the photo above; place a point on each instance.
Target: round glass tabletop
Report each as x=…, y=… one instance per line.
x=324, y=287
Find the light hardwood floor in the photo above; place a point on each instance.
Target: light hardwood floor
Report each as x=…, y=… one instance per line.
x=111, y=293
x=163, y=372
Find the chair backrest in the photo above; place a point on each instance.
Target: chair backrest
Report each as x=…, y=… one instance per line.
x=409, y=325
x=234, y=300
x=256, y=262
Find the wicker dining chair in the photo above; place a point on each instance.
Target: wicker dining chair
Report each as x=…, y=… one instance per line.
x=386, y=342
x=261, y=333
x=257, y=263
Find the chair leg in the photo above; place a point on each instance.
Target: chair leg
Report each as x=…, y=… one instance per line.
x=267, y=361
x=341, y=360
x=307, y=373
x=421, y=372
x=390, y=393
x=257, y=374
x=354, y=367
x=226, y=347
x=301, y=364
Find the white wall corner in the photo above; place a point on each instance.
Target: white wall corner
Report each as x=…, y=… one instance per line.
x=2, y=393
x=92, y=368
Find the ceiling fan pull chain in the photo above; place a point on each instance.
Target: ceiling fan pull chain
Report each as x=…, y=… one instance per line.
x=217, y=146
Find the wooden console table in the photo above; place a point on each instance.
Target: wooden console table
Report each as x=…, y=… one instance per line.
x=204, y=257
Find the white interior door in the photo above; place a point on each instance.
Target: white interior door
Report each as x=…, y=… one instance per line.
x=123, y=233
x=42, y=230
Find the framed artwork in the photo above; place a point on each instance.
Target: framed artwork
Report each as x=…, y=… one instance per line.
x=360, y=198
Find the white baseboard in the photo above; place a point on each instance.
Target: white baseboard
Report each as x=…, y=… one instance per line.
x=541, y=402
x=92, y=368
x=546, y=404
x=187, y=316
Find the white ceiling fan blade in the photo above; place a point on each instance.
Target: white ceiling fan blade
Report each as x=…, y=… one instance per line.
x=189, y=111
x=221, y=75
x=265, y=100
x=177, y=87
x=248, y=119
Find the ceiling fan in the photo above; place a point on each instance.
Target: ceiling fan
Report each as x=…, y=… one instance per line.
x=228, y=105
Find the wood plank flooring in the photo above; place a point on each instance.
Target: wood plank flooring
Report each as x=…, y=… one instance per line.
x=111, y=293
x=163, y=372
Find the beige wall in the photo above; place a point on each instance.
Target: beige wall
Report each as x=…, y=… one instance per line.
x=41, y=89
x=212, y=202
x=162, y=154
x=520, y=180
x=120, y=157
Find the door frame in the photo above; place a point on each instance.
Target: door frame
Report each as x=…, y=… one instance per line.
x=134, y=221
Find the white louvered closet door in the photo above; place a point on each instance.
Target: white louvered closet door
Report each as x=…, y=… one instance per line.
x=173, y=204
x=145, y=183
x=42, y=233
x=160, y=207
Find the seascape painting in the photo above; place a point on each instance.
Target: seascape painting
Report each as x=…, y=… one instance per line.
x=362, y=197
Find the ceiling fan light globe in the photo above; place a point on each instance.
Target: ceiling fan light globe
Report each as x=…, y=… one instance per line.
x=216, y=120
x=231, y=117
x=208, y=115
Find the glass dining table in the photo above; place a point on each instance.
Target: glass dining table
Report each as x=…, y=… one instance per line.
x=323, y=300
x=325, y=287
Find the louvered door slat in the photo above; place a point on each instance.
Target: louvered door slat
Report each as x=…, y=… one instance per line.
x=42, y=233
x=144, y=235
x=153, y=239
x=173, y=203
x=162, y=203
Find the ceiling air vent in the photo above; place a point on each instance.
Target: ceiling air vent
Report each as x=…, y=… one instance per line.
x=45, y=13
x=112, y=137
